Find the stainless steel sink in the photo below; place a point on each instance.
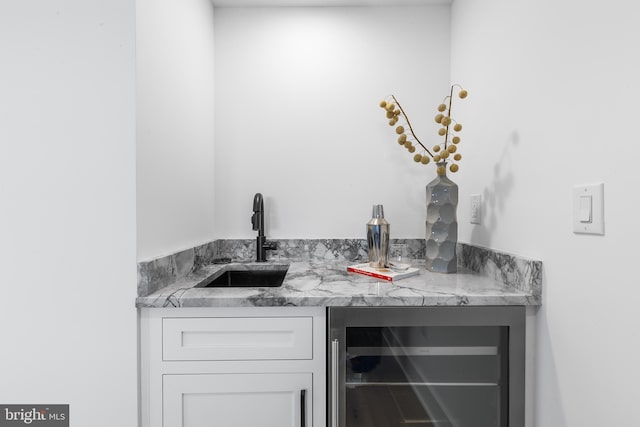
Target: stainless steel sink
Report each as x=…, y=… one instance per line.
x=247, y=276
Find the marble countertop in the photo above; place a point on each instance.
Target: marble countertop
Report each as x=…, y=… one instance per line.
x=320, y=282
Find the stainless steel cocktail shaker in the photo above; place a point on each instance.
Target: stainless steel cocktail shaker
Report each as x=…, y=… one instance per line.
x=378, y=238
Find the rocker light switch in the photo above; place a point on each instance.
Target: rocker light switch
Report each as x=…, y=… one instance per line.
x=585, y=208
x=588, y=209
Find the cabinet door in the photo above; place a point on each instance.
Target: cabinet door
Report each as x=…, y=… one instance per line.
x=237, y=400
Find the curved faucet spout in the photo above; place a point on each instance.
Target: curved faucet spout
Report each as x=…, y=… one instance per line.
x=258, y=204
x=257, y=219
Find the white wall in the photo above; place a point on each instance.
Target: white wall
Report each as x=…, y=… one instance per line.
x=553, y=102
x=175, y=149
x=67, y=216
x=297, y=116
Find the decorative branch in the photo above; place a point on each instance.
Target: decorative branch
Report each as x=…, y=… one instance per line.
x=442, y=151
x=409, y=125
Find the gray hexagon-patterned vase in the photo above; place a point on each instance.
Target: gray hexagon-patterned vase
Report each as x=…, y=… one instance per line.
x=442, y=225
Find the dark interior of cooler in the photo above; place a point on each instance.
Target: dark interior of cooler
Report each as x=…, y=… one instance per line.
x=426, y=376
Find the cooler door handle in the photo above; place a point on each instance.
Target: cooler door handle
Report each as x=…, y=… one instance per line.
x=303, y=408
x=334, y=383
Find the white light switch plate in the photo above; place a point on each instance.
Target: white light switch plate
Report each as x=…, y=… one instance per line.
x=476, y=203
x=588, y=209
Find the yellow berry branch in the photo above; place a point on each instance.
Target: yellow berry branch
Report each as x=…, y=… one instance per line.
x=446, y=137
x=409, y=124
x=442, y=151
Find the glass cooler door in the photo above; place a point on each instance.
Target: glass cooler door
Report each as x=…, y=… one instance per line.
x=425, y=367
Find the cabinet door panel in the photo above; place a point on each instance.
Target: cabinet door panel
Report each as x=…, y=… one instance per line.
x=236, y=400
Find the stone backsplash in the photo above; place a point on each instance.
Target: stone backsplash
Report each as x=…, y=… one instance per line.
x=512, y=270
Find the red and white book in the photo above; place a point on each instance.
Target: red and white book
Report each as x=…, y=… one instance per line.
x=382, y=273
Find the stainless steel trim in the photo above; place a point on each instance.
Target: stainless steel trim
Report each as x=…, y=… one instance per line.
x=417, y=384
x=334, y=382
x=423, y=351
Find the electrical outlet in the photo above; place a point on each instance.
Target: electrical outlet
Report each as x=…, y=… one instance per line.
x=476, y=202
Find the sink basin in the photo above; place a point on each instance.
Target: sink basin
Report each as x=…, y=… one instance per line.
x=247, y=276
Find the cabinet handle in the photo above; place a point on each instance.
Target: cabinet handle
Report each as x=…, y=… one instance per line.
x=334, y=383
x=303, y=408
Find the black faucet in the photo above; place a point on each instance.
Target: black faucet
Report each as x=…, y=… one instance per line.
x=257, y=221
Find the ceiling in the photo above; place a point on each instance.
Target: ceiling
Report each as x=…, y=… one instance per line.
x=325, y=3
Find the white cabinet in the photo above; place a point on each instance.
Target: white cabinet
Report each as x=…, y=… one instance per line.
x=237, y=400
x=237, y=338
x=233, y=367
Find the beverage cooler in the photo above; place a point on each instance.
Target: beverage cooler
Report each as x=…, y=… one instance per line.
x=426, y=366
